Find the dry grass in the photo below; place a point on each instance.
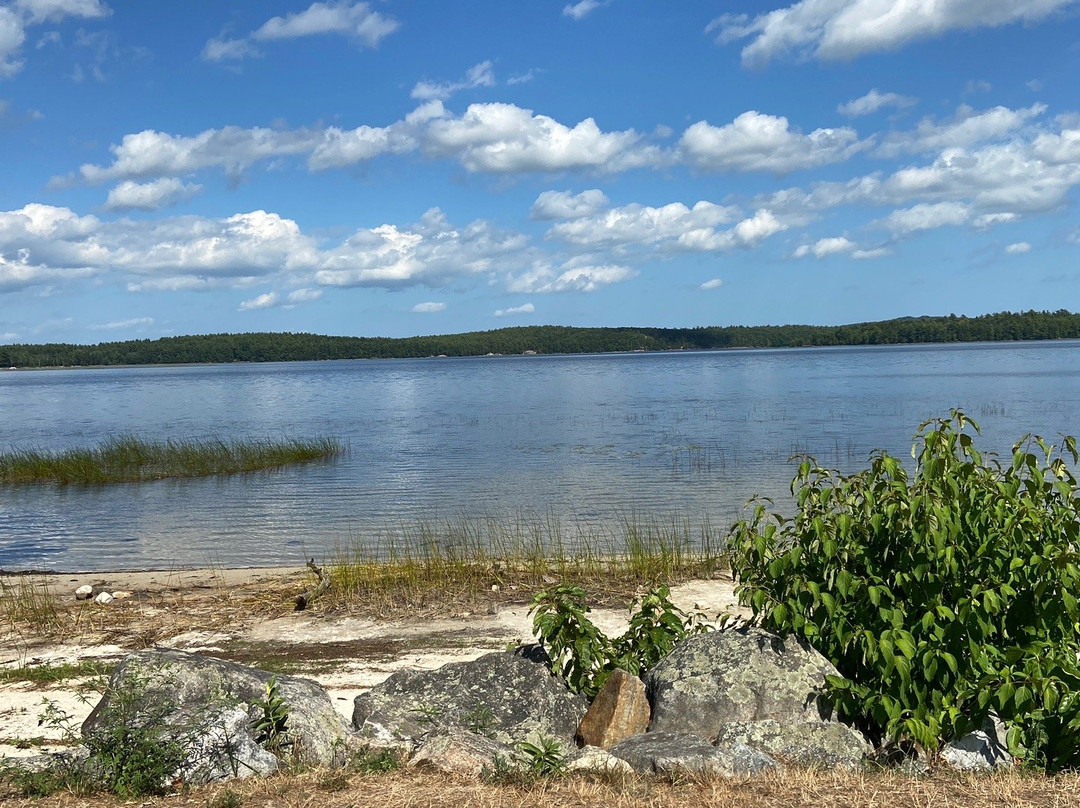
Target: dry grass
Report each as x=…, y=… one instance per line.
x=793, y=789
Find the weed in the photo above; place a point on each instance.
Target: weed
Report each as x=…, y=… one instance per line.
x=53, y=674
x=271, y=729
x=584, y=656
x=226, y=798
x=375, y=761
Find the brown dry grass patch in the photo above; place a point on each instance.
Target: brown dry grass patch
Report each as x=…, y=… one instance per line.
x=793, y=789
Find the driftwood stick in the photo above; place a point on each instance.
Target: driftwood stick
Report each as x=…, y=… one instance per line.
x=324, y=583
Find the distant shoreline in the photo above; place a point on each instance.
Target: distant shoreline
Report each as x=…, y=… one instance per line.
x=213, y=349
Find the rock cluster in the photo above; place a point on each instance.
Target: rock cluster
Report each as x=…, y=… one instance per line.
x=733, y=702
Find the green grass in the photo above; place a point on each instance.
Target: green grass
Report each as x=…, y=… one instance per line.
x=54, y=674
x=465, y=560
x=126, y=459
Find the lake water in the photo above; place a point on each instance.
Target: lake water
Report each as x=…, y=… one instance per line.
x=578, y=440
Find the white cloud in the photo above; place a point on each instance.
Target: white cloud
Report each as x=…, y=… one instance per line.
x=565, y=205
x=265, y=301
x=223, y=49
x=132, y=323
x=844, y=29
x=715, y=283
x=582, y=9
x=12, y=36
x=149, y=153
x=354, y=20
x=826, y=247
x=432, y=252
x=487, y=138
x=480, y=75
x=527, y=308
x=673, y=227
x=429, y=308
x=505, y=138
x=55, y=10
x=968, y=128
x=1018, y=248
x=160, y=193
x=758, y=142
x=17, y=16
x=574, y=276
x=927, y=217
x=304, y=296
x=873, y=101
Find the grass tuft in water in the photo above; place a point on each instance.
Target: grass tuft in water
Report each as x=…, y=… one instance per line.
x=126, y=459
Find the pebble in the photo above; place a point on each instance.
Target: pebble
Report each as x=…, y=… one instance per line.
x=84, y=592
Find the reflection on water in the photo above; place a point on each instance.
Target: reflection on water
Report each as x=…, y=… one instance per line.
x=584, y=440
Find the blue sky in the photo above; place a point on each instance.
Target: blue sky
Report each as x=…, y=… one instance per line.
x=405, y=167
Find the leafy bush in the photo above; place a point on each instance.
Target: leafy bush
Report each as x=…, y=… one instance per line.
x=940, y=597
x=584, y=656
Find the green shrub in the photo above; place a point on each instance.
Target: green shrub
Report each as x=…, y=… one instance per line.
x=584, y=656
x=940, y=597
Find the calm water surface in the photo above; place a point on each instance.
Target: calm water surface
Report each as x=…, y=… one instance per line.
x=584, y=440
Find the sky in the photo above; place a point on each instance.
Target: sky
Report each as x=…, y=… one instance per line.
x=402, y=167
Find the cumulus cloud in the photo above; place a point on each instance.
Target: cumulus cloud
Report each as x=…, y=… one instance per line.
x=669, y=229
x=160, y=193
x=16, y=17
x=481, y=75
x=565, y=205
x=505, y=138
x=715, y=283
x=1018, y=248
x=354, y=20
x=429, y=308
x=967, y=128
x=527, y=308
x=265, y=301
x=497, y=138
x=574, y=276
x=845, y=29
x=926, y=216
x=826, y=247
x=759, y=142
x=873, y=101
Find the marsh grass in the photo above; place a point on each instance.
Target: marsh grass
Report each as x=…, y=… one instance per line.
x=467, y=562
x=50, y=674
x=127, y=458
x=28, y=601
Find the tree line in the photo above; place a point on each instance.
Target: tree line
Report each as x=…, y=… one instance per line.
x=287, y=347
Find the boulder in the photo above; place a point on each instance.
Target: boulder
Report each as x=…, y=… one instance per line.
x=981, y=750
x=506, y=696
x=208, y=707
x=595, y=759
x=677, y=752
x=457, y=751
x=84, y=592
x=744, y=674
x=808, y=743
x=619, y=710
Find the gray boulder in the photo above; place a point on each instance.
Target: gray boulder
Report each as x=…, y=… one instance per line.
x=675, y=752
x=809, y=743
x=747, y=686
x=745, y=674
x=981, y=750
x=457, y=751
x=208, y=707
x=507, y=696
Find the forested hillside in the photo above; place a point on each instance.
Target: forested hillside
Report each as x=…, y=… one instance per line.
x=275, y=347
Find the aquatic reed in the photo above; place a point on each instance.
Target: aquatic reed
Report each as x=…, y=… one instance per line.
x=468, y=562
x=127, y=458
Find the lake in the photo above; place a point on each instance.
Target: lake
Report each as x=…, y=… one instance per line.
x=581, y=441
